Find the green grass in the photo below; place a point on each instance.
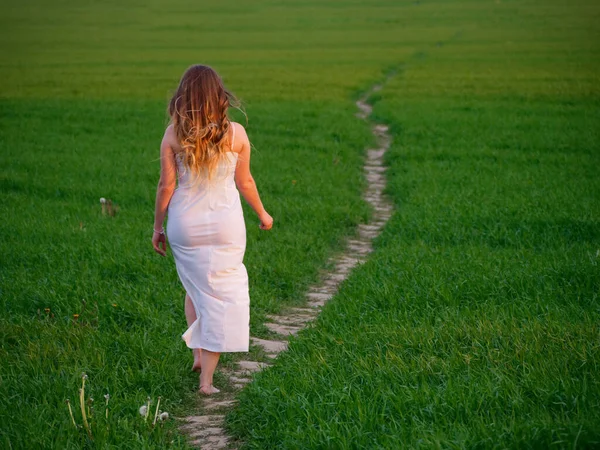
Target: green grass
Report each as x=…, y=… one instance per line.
x=61, y=252
x=473, y=325
x=82, y=112
x=82, y=115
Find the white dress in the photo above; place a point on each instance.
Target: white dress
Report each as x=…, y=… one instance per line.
x=207, y=236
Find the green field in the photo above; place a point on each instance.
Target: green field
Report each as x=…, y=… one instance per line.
x=473, y=325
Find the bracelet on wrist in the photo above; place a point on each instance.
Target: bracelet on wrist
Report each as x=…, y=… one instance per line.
x=160, y=232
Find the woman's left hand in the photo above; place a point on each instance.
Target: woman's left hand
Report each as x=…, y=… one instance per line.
x=157, y=240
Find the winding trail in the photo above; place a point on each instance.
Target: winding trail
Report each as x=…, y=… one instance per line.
x=206, y=431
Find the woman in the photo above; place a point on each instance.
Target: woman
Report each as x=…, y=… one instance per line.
x=208, y=155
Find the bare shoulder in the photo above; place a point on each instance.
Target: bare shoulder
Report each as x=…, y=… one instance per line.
x=239, y=130
x=170, y=139
x=240, y=137
x=169, y=133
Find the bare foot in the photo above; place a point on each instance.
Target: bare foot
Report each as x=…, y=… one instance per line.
x=209, y=390
x=196, y=366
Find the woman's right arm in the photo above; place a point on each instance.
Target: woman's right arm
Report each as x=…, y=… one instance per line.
x=245, y=182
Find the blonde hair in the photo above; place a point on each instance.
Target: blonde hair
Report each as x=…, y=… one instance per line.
x=198, y=111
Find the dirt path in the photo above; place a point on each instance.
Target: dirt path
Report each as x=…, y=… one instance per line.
x=206, y=431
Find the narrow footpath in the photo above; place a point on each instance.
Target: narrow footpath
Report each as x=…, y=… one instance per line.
x=206, y=431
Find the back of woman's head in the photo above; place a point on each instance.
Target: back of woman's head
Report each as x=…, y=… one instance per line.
x=198, y=111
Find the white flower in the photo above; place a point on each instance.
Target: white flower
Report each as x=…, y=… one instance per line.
x=143, y=410
x=102, y=200
x=164, y=416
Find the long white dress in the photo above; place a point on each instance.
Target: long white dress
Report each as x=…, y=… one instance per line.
x=207, y=235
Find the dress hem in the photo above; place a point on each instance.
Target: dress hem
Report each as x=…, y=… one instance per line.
x=214, y=349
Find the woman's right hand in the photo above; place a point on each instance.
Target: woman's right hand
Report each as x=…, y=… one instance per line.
x=266, y=221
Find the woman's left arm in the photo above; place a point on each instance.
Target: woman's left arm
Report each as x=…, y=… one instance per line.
x=164, y=192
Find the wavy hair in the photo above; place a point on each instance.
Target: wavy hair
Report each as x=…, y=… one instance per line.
x=198, y=111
